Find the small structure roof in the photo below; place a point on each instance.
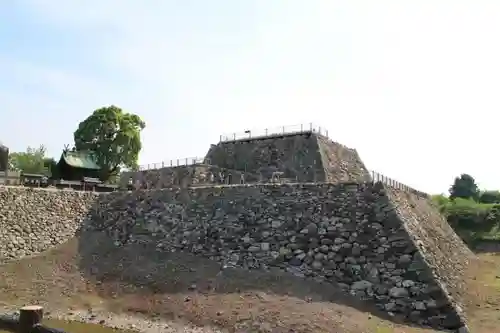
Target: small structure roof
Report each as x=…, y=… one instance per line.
x=79, y=159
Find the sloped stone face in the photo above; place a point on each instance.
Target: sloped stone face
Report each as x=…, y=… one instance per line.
x=300, y=158
x=349, y=234
x=385, y=246
x=438, y=244
x=341, y=164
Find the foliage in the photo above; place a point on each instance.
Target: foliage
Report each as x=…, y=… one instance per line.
x=441, y=201
x=464, y=187
x=472, y=220
x=50, y=165
x=114, y=138
x=489, y=197
x=33, y=160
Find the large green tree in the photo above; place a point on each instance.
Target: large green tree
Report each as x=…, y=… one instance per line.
x=33, y=160
x=113, y=136
x=464, y=187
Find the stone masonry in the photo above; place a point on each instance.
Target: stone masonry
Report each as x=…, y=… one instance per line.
x=305, y=157
x=34, y=220
x=183, y=176
x=367, y=238
x=329, y=222
x=297, y=156
x=340, y=163
x=350, y=234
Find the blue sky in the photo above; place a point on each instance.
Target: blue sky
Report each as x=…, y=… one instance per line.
x=413, y=85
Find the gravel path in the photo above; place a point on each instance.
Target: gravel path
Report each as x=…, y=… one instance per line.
x=122, y=321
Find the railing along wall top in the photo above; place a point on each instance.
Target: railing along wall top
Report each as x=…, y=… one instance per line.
x=378, y=177
x=174, y=163
x=274, y=131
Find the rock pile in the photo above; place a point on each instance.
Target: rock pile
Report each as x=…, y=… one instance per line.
x=382, y=245
x=349, y=234
x=33, y=220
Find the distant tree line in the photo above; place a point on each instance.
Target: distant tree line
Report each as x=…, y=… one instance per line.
x=109, y=134
x=473, y=213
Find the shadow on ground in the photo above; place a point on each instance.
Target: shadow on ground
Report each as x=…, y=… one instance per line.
x=181, y=284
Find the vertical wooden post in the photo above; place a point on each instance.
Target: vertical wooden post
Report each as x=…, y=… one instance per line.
x=29, y=316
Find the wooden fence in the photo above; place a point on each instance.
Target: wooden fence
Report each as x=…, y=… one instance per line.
x=29, y=321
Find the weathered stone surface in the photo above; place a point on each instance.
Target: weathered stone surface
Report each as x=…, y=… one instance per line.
x=438, y=243
x=297, y=156
x=343, y=233
x=341, y=164
x=306, y=157
x=382, y=245
x=184, y=176
x=33, y=220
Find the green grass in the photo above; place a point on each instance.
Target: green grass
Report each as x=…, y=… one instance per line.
x=472, y=220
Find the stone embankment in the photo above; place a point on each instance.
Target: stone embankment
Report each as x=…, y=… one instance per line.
x=307, y=157
x=348, y=234
x=184, y=176
x=297, y=156
x=439, y=245
x=34, y=220
x=341, y=164
x=384, y=246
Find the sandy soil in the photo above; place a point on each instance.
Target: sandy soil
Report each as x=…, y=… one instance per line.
x=197, y=293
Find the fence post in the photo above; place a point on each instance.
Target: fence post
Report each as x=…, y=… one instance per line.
x=311, y=126
x=29, y=316
x=234, y=136
x=283, y=129
x=266, y=131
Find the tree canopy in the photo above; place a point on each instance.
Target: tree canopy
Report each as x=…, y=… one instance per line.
x=113, y=136
x=33, y=160
x=464, y=187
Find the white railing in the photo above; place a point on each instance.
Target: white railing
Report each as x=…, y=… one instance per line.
x=175, y=162
x=274, y=131
x=378, y=177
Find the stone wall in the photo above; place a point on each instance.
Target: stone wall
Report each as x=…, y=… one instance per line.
x=340, y=163
x=439, y=245
x=350, y=234
x=183, y=176
x=305, y=157
x=33, y=220
x=297, y=156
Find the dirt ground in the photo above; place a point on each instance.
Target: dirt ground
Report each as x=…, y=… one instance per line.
x=198, y=293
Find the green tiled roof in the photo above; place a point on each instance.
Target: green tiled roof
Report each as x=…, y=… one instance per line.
x=79, y=159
